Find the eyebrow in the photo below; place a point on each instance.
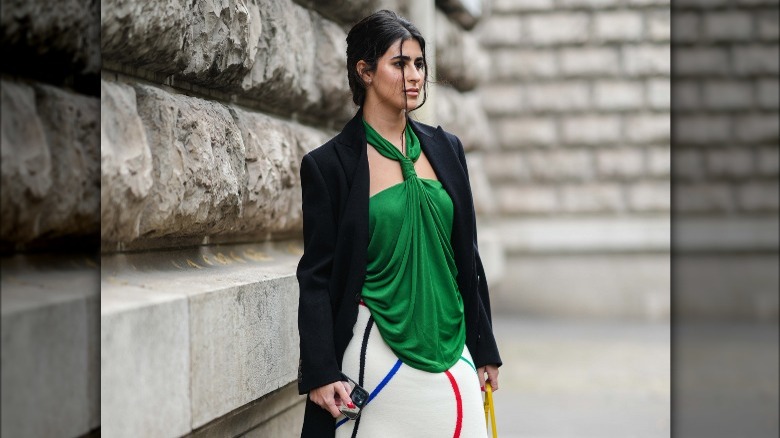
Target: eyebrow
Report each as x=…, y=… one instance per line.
x=406, y=58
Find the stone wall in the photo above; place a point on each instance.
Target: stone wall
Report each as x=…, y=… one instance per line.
x=578, y=95
x=50, y=220
x=726, y=158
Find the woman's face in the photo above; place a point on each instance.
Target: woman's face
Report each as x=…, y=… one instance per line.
x=398, y=80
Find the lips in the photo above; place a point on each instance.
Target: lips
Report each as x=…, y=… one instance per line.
x=412, y=91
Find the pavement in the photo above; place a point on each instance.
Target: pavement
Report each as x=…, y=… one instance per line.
x=583, y=378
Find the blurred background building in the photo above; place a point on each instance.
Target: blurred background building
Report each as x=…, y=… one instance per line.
x=206, y=108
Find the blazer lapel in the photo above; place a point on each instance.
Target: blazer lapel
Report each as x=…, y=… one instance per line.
x=446, y=164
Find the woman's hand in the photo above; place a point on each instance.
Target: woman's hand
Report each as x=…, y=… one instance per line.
x=492, y=376
x=330, y=397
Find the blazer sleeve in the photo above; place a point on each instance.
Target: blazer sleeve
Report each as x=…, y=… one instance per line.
x=487, y=349
x=318, y=365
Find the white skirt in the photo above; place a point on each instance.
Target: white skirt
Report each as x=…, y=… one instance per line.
x=407, y=402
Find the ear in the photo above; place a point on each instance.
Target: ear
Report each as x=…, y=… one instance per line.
x=362, y=69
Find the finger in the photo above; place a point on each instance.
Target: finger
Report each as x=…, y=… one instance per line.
x=332, y=408
x=493, y=377
x=481, y=375
x=342, y=392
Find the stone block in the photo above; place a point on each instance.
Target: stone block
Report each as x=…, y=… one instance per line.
x=284, y=70
x=144, y=364
x=523, y=132
x=688, y=164
x=501, y=30
x=71, y=124
x=768, y=161
x=648, y=128
x=647, y=59
x=27, y=164
x=686, y=27
x=618, y=94
x=270, y=195
x=126, y=163
x=659, y=161
x=44, y=197
x=522, y=64
x=462, y=115
x=701, y=61
x=703, y=198
x=618, y=26
x=149, y=35
x=50, y=371
x=659, y=25
x=702, y=129
x=606, y=286
x=755, y=59
x=266, y=410
x=650, y=196
x=500, y=6
x=757, y=127
x=659, y=93
x=729, y=163
x=593, y=4
x=558, y=28
x=721, y=95
x=768, y=24
x=330, y=76
x=558, y=96
x=222, y=39
x=466, y=13
x=591, y=129
x=713, y=286
x=243, y=342
x=733, y=25
x=502, y=99
x=687, y=95
x=64, y=36
x=768, y=93
x=620, y=163
x=590, y=61
x=508, y=167
x=288, y=423
x=460, y=60
x=560, y=165
x=481, y=189
x=592, y=198
x=759, y=197
x=344, y=12
x=530, y=199
x=198, y=165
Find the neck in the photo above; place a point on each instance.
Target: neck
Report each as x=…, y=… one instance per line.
x=389, y=123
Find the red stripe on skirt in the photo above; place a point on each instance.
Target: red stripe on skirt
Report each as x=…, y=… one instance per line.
x=459, y=402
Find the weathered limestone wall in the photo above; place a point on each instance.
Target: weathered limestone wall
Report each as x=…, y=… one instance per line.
x=726, y=65
x=578, y=94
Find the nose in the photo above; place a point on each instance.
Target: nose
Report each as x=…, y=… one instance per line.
x=414, y=76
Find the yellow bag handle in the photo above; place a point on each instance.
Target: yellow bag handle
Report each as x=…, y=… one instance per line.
x=490, y=410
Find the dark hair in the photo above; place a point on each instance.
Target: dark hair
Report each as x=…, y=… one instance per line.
x=369, y=40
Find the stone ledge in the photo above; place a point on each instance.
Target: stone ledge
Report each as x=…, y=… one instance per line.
x=50, y=373
x=196, y=334
x=577, y=235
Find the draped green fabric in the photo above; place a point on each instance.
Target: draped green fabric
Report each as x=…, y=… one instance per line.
x=410, y=285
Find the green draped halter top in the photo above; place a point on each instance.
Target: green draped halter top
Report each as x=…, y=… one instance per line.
x=410, y=286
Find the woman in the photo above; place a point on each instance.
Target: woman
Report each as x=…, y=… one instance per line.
x=392, y=289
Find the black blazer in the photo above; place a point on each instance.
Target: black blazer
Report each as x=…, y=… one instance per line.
x=335, y=187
